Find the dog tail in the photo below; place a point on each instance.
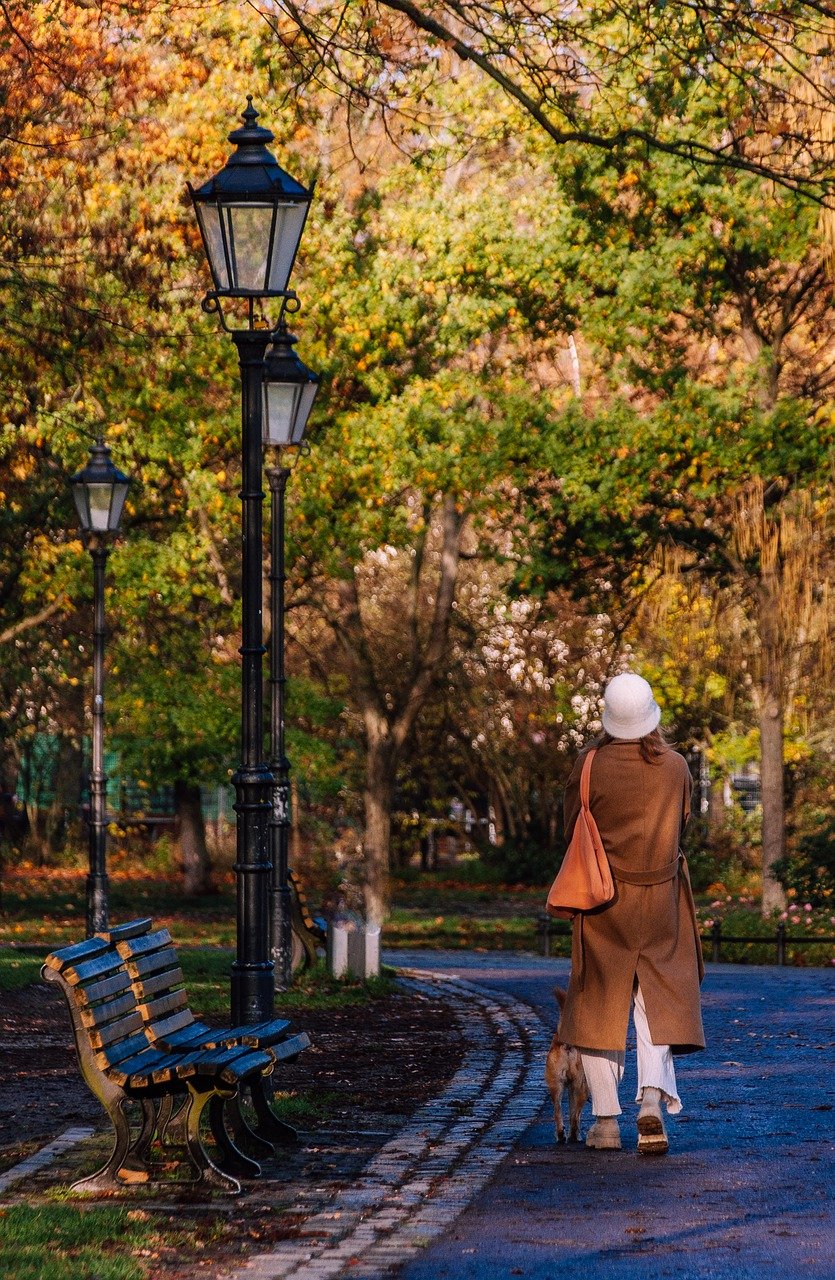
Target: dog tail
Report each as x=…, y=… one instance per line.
x=560, y=995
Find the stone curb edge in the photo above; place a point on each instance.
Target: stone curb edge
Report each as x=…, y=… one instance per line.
x=45, y=1156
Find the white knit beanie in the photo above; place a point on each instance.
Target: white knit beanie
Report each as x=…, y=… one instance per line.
x=629, y=709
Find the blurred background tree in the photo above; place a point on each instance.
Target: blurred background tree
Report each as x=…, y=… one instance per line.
x=574, y=321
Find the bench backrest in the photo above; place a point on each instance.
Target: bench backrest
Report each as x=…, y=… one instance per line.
x=157, y=982
x=301, y=898
x=107, y=1024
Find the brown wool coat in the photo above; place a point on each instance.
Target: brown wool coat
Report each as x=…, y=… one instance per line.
x=649, y=931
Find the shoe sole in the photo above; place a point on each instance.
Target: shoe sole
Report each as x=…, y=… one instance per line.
x=609, y=1145
x=652, y=1140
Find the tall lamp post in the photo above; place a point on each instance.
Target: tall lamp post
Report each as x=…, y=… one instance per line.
x=99, y=491
x=289, y=391
x=251, y=216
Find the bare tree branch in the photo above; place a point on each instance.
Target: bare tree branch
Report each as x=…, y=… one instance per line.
x=26, y=624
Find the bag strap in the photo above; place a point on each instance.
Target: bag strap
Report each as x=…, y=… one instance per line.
x=584, y=778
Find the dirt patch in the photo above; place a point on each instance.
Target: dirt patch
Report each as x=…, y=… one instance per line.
x=42, y=1093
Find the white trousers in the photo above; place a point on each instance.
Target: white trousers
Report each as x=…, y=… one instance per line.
x=604, y=1068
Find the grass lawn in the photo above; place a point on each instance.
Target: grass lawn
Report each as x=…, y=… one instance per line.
x=45, y=906
x=414, y=927
x=67, y=1243
x=206, y=972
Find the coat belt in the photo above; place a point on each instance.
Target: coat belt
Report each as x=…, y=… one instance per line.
x=658, y=875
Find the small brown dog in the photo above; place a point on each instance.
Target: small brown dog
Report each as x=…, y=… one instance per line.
x=564, y=1073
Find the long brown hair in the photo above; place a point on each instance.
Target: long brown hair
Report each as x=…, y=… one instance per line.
x=651, y=746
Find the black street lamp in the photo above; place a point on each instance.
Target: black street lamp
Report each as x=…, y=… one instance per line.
x=251, y=217
x=289, y=391
x=99, y=491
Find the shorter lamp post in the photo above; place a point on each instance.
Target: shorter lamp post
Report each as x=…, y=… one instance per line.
x=289, y=391
x=99, y=491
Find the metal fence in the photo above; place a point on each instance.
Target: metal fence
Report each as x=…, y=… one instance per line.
x=549, y=928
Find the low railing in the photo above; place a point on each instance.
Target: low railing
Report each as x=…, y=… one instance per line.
x=549, y=928
x=779, y=939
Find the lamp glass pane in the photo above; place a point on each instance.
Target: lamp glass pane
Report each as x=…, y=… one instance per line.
x=280, y=407
x=120, y=492
x=288, y=232
x=79, y=493
x=248, y=228
x=98, y=497
x=209, y=219
x=308, y=395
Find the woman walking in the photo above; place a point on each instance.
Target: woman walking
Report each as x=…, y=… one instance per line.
x=642, y=950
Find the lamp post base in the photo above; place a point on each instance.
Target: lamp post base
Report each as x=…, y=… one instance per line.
x=252, y=993
x=252, y=971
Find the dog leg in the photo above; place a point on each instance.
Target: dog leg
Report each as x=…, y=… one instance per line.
x=577, y=1100
x=559, y=1127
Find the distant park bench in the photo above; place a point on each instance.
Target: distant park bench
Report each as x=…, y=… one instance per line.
x=138, y=1041
x=309, y=932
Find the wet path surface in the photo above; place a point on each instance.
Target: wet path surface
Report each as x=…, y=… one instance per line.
x=747, y=1188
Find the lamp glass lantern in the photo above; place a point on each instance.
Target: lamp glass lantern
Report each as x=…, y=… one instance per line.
x=99, y=491
x=289, y=392
x=251, y=216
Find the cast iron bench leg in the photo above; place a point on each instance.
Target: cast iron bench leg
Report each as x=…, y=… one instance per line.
x=247, y=1138
x=269, y=1126
x=135, y=1166
x=142, y=1147
x=231, y=1159
x=164, y=1114
x=105, y=1179
x=207, y=1170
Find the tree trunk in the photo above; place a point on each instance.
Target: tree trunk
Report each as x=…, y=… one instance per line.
x=195, y=856
x=717, y=810
x=770, y=709
x=378, y=797
x=389, y=724
x=38, y=841
x=773, y=798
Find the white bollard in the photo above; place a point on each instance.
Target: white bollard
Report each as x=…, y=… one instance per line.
x=364, y=952
x=338, y=935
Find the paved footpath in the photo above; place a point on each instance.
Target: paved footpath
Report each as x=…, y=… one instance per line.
x=747, y=1188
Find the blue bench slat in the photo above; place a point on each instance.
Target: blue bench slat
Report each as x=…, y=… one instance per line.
x=130, y=929
x=85, y=950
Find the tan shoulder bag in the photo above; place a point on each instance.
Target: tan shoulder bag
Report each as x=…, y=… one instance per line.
x=584, y=880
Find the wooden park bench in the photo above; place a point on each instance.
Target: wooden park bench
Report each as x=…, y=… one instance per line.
x=309, y=932
x=158, y=986
x=122, y=1064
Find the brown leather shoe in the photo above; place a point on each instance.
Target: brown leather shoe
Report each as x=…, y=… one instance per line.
x=652, y=1136
x=604, y=1135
